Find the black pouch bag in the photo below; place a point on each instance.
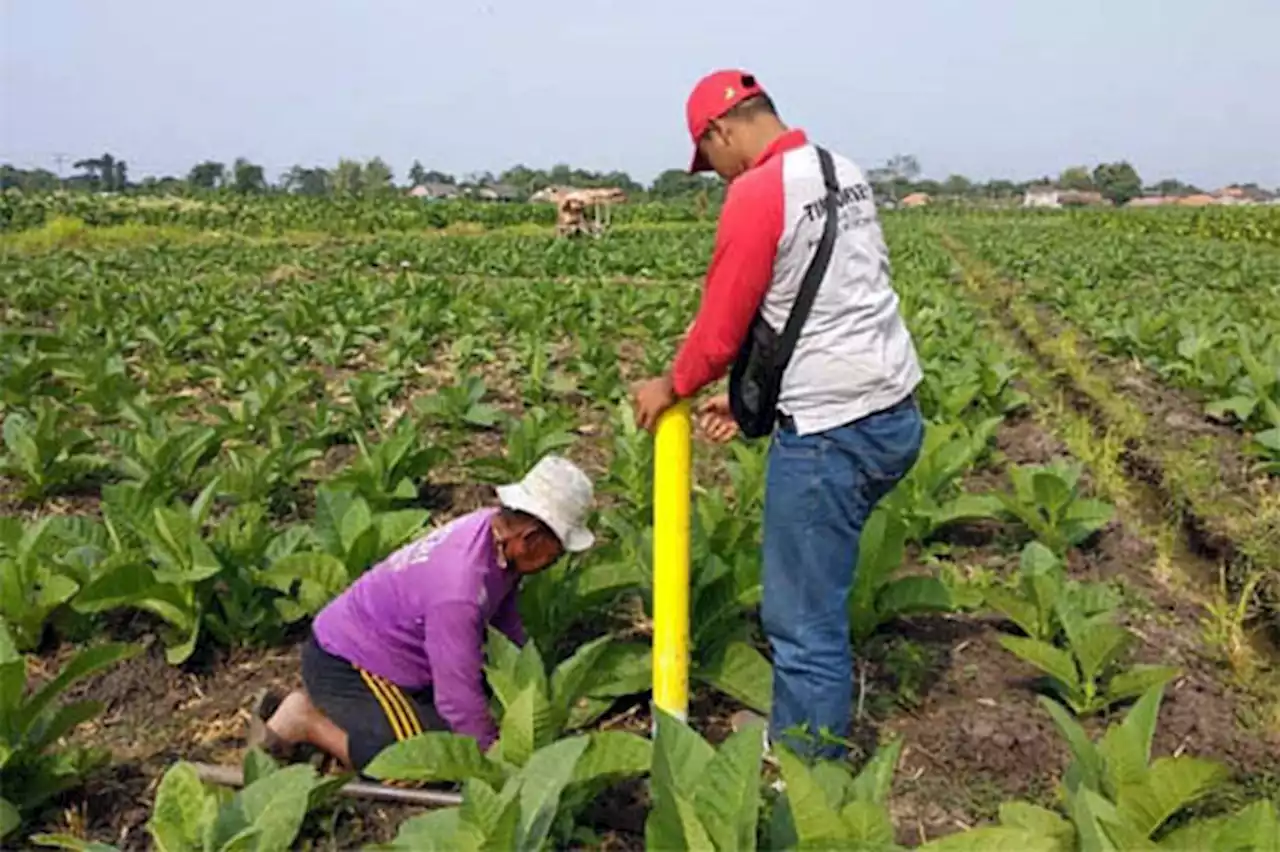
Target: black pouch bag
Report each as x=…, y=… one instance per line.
x=756, y=378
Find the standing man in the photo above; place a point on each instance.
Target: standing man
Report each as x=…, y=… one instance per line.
x=848, y=427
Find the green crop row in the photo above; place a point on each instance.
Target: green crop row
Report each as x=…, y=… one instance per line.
x=1202, y=315
x=258, y=425
x=276, y=214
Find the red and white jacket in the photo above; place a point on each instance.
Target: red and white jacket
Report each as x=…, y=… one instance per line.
x=855, y=355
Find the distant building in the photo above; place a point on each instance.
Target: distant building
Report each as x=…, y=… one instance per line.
x=1234, y=194
x=916, y=199
x=1052, y=197
x=1152, y=201
x=1197, y=200
x=1042, y=196
x=550, y=194
x=1080, y=198
x=435, y=191
x=590, y=195
x=497, y=192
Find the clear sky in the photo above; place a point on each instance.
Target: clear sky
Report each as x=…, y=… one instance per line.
x=986, y=88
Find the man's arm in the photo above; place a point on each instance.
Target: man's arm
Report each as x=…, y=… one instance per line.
x=738, y=277
x=454, y=642
x=507, y=618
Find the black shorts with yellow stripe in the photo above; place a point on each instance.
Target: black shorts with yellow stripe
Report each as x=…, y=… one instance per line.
x=372, y=710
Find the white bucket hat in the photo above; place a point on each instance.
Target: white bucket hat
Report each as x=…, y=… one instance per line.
x=559, y=494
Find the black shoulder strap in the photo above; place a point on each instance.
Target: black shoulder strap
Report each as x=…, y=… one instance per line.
x=817, y=267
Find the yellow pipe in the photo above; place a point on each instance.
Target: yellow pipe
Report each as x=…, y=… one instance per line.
x=672, y=489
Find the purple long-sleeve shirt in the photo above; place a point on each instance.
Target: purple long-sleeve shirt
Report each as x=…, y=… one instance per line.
x=419, y=618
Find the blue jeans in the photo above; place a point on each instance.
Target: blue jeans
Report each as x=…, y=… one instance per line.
x=819, y=491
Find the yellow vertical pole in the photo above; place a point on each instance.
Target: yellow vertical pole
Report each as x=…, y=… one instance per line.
x=672, y=490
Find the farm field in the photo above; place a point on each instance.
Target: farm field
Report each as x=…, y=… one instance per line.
x=217, y=414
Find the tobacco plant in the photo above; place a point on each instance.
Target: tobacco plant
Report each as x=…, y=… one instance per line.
x=1047, y=500
x=537, y=775
x=33, y=766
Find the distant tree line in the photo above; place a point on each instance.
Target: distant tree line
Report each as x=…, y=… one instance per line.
x=897, y=178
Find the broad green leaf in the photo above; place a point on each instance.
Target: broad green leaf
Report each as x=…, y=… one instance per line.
x=1087, y=767
x=741, y=672
x=434, y=831
x=257, y=764
x=1050, y=659
x=968, y=507
x=320, y=578
x=692, y=835
x=544, y=776
x=1171, y=784
x=363, y=550
x=1138, y=680
x=60, y=722
x=1096, y=646
x=868, y=825
x=501, y=670
x=10, y=819
x=911, y=595
x=276, y=804
x=180, y=651
x=573, y=677
x=728, y=794
x=1126, y=746
x=1051, y=492
x=120, y=583
x=88, y=662
x=243, y=839
x=1036, y=820
x=604, y=579
x=1086, y=516
x=327, y=789
x=1093, y=598
x=1257, y=825
x=876, y=778
x=679, y=758
x=1240, y=406
x=1201, y=834
x=1089, y=810
x=613, y=754
x=8, y=650
x=354, y=524
x=680, y=755
x=487, y=818
x=531, y=670
x=1019, y=610
x=177, y=820
x=585, y=711
x=996, y=839
x=880, y=551
x=405, y=489
x=397, y=528
x=434, y=756
x=526, y=726
x=332, y=505
x=817, y=824
x=624, y=668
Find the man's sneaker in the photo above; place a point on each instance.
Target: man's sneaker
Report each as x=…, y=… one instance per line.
x=744, y=718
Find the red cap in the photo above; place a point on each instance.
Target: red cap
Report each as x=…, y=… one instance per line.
x=716, y=94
